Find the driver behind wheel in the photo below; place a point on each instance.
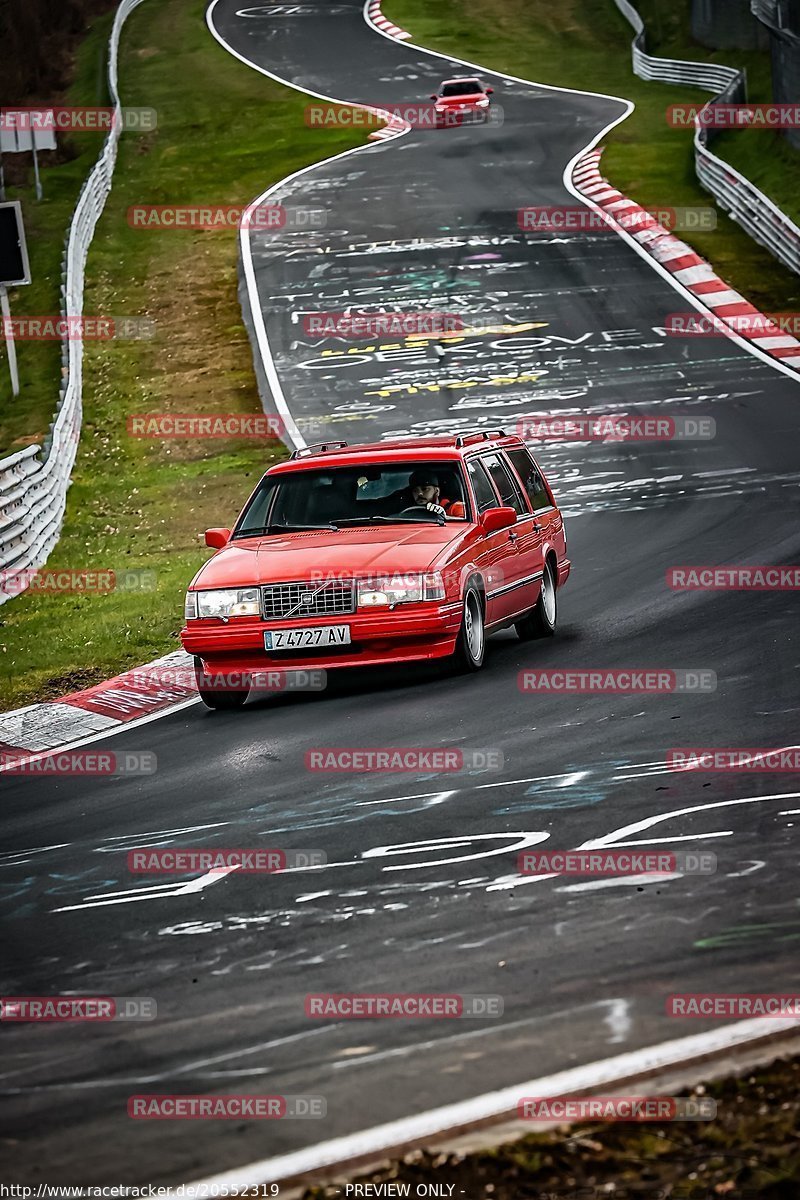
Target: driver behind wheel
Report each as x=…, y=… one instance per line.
x=426, y=492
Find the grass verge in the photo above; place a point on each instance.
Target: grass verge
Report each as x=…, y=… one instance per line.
x=24, y=419
x=585, y=44
x=764, y=157
x=224, y=133
x=749, y=1150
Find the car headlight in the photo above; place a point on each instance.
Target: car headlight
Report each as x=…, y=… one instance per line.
x=483, y=103
x=222, y=602
x=388, y=590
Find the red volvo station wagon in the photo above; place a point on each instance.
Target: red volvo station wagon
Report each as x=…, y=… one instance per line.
x=404, y=550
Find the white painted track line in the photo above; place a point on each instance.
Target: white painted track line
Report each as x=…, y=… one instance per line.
x=578, y=1081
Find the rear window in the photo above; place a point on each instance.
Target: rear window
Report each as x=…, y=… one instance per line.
x=532, y=478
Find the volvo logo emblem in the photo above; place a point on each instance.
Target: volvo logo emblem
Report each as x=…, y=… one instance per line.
x=306, y=597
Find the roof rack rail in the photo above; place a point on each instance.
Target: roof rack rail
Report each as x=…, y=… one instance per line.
x=317, y=448
x=484, y=434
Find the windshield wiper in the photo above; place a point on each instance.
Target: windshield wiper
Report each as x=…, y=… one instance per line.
x=364, y=520
x=389, y=520
x=285, y=528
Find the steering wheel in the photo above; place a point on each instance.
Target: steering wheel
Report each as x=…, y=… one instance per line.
x=416, y=510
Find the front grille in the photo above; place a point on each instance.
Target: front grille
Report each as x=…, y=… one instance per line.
x=298, y=600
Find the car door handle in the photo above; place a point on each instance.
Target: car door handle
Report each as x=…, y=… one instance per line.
x=536, y=526
x=512, y=537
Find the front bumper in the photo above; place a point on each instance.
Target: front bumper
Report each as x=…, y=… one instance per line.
x=409, y=633
x=461, y=116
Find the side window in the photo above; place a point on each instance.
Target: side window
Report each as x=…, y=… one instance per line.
x=484, y=492
x=505, y=484
x=531, y=477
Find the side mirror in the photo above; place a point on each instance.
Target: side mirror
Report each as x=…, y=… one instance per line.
x=490, y=91
x=498, y=518
x=434, y=96
x=217, y=538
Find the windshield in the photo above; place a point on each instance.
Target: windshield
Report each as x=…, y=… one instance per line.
x=465, y=87
x=377, y=493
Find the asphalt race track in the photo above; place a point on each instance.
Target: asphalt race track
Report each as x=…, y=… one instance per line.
x=583, y=967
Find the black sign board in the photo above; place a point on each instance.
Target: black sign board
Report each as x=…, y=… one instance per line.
x=14, y=268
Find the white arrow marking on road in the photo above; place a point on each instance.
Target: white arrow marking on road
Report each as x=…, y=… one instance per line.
x=156, y=891
x=434, y=797
x=163, y=833
x=756, y=865
x=15, y=858
x=505, y=882
x=594, y=885
x=452, y=843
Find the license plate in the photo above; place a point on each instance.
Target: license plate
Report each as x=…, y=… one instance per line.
x=302, y=638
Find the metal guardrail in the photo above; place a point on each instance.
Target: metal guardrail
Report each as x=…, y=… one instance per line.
x=741, y=199
x=34, y=482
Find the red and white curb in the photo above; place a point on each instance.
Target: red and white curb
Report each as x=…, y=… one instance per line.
x=137, y=694
x=376, y=16
x=687, y=267
x=395, y=126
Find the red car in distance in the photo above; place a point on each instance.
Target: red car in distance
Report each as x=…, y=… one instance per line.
x=345, y=556
x=460, y=101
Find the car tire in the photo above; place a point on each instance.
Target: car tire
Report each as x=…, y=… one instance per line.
x=541, y=621
x=215, y=697
x=471, y=645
